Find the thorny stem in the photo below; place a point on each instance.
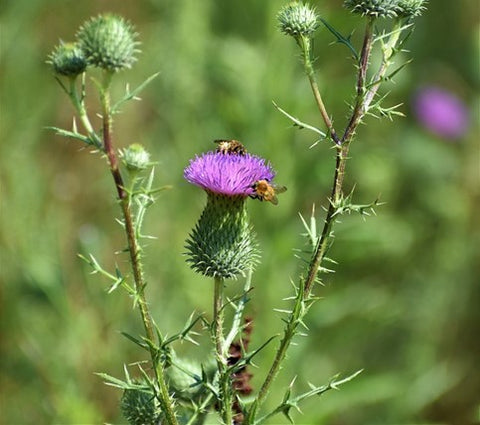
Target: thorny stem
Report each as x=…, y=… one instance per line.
x=134, y=249
x=200, y=411
x=342, y=148
x=225, y=397
x=341, y=160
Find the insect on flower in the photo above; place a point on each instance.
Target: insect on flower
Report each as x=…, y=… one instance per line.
x=230, y=147
x=266, y=191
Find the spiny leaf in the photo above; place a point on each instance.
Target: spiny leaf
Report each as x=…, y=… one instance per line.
x=341, y=39
x=301, y=124
x=72, y=135
x=129, y=95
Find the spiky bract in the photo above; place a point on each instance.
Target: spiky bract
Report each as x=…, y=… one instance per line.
x=108, y=42
x=140, y=407
x=68, y=59
x=222, y=244
x=386, y=8
x=298, y=19
x=135, y=157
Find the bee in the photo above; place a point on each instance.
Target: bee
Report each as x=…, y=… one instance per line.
x=266, y=191
x=230, y=147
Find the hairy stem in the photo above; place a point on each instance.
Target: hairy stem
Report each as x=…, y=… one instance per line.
x=225, y=385
x=134, y=250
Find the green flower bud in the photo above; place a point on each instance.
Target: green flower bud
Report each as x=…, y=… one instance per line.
x=108, y=42
x=222, y=244
x=374, y=8
x=298, y=19
x=410, y=8
x=67, y=59
x=135, y=157
x=140, y=407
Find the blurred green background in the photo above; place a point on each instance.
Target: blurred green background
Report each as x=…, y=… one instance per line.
x=404, y=301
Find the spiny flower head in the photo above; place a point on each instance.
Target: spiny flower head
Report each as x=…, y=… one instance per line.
x=386, y=8
x=139, y=406
x=411, y=8
x=68, y=59
x=109, y=42
x=135, y=157
x=222, y=243
x=229, y=175
x=298, y=19
x=374, y=8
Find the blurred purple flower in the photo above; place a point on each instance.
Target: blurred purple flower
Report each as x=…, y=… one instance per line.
x=228, y=174
x=441, y=112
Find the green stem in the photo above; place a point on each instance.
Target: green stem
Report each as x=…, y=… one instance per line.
x=305, y=44
x=388, y=53
x=196, y=419
x=82, y=112
x=134, y=250
x=236, y=328
x=342, y=148
x=221, y=352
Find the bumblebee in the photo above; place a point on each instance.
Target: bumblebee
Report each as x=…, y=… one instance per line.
x=266, y=191
x=230, y=147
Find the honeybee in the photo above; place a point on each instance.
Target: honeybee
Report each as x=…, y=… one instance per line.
x=266, y=191
x=230, y=147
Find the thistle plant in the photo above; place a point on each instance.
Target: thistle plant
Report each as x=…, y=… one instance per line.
x=222, y=244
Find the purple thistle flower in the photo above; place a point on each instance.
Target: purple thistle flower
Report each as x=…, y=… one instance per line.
x=441, y=112
x=231, y=175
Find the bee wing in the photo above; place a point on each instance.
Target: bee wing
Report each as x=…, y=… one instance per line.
x=274, y=200
x=280, y=189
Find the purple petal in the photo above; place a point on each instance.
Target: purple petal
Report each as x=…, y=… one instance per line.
x=228, y=174
x=441, y=112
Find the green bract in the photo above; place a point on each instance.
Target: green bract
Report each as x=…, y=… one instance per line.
x=222, y=243
x=135, y=157
x=108, y=42
x=411, y=7
x=297, y=19
x=140, y=407
x=386, y=8
x=68, y=59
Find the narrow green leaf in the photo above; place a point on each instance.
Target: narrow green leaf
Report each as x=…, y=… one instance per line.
x=341, y=39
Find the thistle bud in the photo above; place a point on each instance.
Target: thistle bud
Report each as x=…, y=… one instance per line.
x=135, y=157
x=374, y=8
x=108, y=42
x=298, y=19
x=411, y=8
x=222, y=244
x=140, y=407
x=67, y=59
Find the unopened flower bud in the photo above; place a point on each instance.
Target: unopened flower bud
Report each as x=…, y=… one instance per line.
x=374, y=8
x=140, y=407
x=410, y=8
x=108, y=42
x=298, y=19
x=68, y=59
x=135, y=157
